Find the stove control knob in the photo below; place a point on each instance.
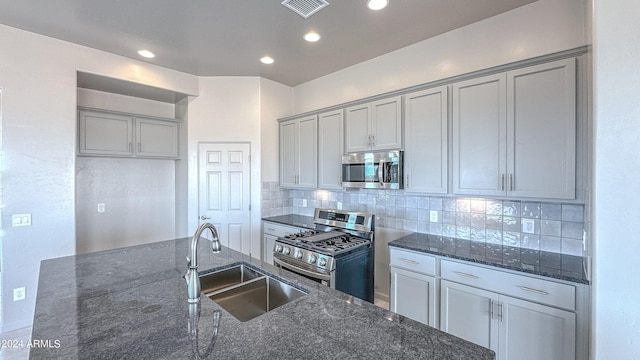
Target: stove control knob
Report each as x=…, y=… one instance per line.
x=286, y=250
x=322, y=262
x=312, y=259
x=298, y=254
x=278, y=248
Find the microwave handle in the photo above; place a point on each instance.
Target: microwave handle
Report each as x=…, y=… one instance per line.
x=381, y=173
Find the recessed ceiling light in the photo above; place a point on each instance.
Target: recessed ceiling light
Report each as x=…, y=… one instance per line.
x=377, y=4
x=146, y=53
x=266, y=60
x=312, y=36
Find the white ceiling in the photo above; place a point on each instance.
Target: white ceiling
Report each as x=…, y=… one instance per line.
x=227, y=37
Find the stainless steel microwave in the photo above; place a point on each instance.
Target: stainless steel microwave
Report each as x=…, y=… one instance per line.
x=373, y=170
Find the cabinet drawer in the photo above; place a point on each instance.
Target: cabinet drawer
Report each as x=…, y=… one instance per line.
x=279, y=230
x=412, y=260
x=524, y=287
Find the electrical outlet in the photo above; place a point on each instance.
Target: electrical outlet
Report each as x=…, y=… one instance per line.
x=339, y=205
x=304, y=202
x=101, y=208
x=528, y=226
x=21, y=220
x=433, y=216
x=19, y=294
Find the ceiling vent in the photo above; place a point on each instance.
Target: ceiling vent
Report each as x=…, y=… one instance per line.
x=305, y=8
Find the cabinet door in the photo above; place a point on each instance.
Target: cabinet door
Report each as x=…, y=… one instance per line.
x=307, y=145
x=357, y=130
x=531, y=331
x=386, y=124
x=479, y=136
x=268, y=242
x=467, y=312
x=105, y=134
x=541, y=132
x=330, y=150
x=156, y=138
x=288, y=154
x=426, y=142
x=413, y=295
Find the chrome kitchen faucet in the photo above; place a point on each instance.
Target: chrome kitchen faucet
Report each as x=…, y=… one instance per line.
x=193, y=281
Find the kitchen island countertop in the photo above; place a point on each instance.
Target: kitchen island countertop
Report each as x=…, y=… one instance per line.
x=131, y=303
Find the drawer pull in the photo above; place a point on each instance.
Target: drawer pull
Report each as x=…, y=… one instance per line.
x=271, y=229
x=410, y=261
x=466, y=275
x=536, y=291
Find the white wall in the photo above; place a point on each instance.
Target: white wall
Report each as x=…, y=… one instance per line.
x=540, y=28
x=38, y=78
x=276, y=101
x=617, y=170
x=228, y=110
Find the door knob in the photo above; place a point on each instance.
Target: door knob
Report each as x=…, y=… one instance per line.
x=204, y=217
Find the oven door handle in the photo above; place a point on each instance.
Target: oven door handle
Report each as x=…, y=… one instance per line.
x=302, y=271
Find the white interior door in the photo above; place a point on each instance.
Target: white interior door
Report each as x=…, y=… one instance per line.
x=224, y=192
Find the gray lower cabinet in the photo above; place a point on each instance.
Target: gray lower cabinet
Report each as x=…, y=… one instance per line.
x=413, y=290
x=518, y=316
x=531, y=326
x=102, y=133
x=271, y=231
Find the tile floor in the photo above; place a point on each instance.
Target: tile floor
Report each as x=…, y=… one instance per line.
x=10, y=338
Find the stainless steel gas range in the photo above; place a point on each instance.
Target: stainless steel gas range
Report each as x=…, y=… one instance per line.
x=338, y=253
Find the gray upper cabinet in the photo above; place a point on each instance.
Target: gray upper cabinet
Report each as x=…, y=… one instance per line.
x=479, y=136
x=156, y=138
x=541, y=137
x=514, y=133
x=426, y=142
x=330, y=149
x=114, y=134
x=374, y=126
x=298, y=153
x=105, y=134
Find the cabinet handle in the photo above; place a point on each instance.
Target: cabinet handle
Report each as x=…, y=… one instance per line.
x=373, y=141
x=510, y=182
x=501, y=315
x=492, y=306
x=407, y=184
x=271, y=229
x=502, y=182
x=410, y=261
x=535, y=291
x=466, y=275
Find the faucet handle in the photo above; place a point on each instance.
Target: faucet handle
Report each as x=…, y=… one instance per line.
x=186, y=276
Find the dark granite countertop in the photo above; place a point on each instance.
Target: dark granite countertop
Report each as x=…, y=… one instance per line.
x=292, y=220
x=131, y=303
x=553, y=265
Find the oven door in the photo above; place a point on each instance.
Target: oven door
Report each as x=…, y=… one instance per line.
x=321, y=278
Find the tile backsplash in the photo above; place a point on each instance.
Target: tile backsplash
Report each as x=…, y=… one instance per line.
x=553, y=227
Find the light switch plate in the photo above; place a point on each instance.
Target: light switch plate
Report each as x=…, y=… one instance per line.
x=304, y=202
x=339, y=205
x=433, y=216
x=101, y=208
x=21, y=220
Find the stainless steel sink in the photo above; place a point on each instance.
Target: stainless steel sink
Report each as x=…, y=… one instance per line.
x=247, y=293
x=222, y=279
